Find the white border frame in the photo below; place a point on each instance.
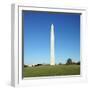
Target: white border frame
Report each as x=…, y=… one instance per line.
x=16, y=52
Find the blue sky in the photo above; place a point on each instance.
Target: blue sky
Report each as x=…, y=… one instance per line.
x=36, y=27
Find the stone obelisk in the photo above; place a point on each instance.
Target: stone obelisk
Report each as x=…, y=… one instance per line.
x=52, y=57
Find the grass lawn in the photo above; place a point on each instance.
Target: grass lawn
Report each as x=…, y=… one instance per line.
x=57, y=70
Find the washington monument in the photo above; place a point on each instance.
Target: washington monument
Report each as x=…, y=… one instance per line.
x=52, y=54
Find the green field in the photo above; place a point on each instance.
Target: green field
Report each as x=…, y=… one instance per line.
x=57, y=70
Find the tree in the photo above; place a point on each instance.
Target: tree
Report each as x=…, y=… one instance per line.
x=60, y=63
x=78, y=63
x=69, y=61
x=25, y=65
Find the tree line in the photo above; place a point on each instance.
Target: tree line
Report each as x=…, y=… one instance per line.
x=68, y=62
